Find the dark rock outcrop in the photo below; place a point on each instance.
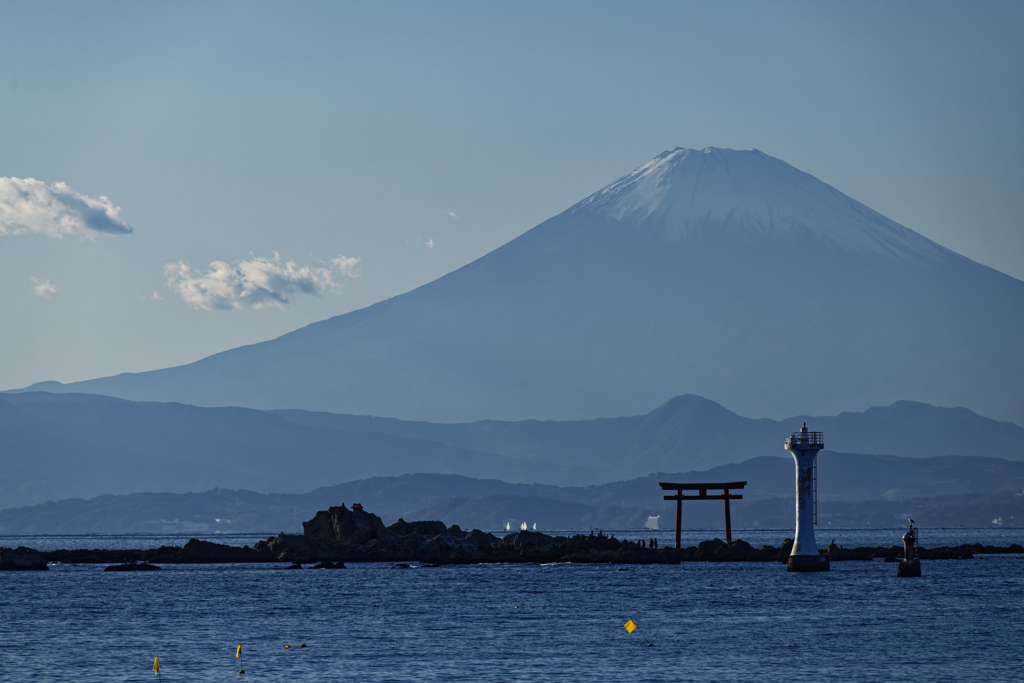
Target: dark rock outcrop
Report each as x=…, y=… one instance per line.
x=342, y=526
x=785, y=550
x=293, y=548
x=133, y=567
x=193, y=552
x=404, y=528
x=200, y=552
x=15, y=559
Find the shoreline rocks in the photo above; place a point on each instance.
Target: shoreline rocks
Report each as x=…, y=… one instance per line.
x=193, y=552
x=133, y=567
x=339, y=535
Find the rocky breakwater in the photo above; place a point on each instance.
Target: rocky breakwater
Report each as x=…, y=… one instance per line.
x=341, y=534
x=895, y=553
x=193, y=552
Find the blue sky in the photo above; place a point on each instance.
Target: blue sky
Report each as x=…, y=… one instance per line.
x=416, y=137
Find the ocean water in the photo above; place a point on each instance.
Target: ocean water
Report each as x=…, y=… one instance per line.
x=961, y=621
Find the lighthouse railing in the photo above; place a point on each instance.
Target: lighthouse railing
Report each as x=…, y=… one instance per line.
x=806, y=439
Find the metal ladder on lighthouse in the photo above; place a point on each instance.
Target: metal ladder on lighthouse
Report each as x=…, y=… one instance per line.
x=815, y=492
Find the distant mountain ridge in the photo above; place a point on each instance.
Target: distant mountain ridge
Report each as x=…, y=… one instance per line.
x=722, y=273
x=55, y=446
x=856, y=490
x=76, y=445
x=694, y=432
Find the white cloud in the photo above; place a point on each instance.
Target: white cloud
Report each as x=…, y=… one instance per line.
x=420, y=242
x=44, y=288
x=453, y=215
x=155, y=296
x=255, y=283
x=347, y=265
x=29, y=205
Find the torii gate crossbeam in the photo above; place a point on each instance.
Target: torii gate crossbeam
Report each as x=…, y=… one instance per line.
x=702, y=494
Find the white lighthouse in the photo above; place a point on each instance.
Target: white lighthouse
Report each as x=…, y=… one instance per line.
x=804, y=446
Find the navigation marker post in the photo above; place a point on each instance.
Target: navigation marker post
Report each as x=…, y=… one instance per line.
x=910, y=565
x=238, y=656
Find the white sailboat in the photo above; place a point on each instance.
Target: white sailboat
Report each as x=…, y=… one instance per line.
x=535, y=526
x=522, y=527
x=507, y=527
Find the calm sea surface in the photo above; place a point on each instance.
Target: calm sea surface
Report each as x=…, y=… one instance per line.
x=961, y=621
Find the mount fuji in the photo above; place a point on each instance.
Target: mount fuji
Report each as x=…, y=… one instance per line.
x=723, y=273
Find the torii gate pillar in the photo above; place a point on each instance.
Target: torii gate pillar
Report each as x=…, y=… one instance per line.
x=702, y=494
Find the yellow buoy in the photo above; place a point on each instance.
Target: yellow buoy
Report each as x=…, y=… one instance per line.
x=156, y=665
x=631, y=626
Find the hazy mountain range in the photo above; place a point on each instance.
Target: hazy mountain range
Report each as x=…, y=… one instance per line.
x=727, y=274
x=58, y=446
x=941, y=491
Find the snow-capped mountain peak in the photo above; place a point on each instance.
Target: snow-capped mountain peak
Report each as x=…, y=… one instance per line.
x=685, y=193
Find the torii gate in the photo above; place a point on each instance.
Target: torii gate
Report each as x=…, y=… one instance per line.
x=702, y=490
